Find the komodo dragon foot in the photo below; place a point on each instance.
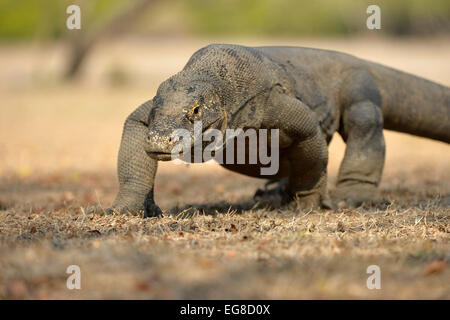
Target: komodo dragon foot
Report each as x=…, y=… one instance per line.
x=275, y=196
x=355, y=194
x=135, y=206
x=280, y=196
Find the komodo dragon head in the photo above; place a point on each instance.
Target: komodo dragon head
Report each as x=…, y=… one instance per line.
x=178, y=105
x=214, y=87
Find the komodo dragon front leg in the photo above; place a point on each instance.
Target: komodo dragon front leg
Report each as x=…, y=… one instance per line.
x=136, y=170
x=362, y=130
x=307, y=155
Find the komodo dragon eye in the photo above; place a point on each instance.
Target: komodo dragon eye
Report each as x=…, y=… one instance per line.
x=194, y=112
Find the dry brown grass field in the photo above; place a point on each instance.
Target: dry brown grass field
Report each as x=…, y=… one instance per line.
x=59, y=145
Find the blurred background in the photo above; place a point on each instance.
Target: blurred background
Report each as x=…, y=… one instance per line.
x=155, y=23
x=64, y=94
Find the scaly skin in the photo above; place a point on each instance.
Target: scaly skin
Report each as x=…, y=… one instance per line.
x=308, y=94
x=136, y=170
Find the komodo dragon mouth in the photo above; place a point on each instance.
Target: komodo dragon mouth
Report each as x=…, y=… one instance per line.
x=160, y=156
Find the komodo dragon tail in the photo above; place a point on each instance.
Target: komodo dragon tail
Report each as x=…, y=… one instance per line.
x=412, y=104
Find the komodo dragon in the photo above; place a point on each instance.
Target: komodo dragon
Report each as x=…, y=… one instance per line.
x=308, y=94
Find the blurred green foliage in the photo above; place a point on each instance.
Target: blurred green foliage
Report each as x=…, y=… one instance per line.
x=267, y=17
x=27, y=19
x=46, y=19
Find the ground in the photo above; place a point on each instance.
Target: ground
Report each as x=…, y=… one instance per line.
x=59, y=147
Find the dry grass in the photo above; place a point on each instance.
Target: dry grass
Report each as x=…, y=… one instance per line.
x=59, y=146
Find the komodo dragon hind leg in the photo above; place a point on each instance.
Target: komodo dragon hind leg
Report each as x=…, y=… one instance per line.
x=360, y=172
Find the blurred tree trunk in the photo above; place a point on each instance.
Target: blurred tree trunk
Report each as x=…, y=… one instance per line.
x=83, y=42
